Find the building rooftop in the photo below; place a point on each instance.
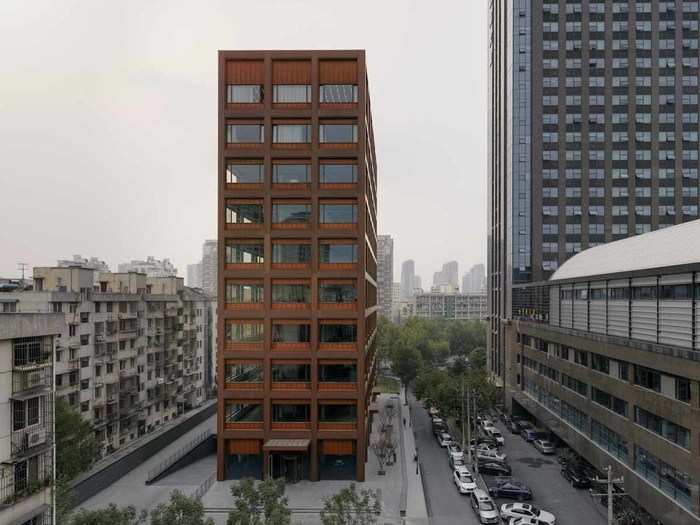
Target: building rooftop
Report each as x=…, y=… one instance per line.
x=673, y=246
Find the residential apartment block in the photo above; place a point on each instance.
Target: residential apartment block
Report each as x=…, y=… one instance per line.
x=134, y=352
x=152, y=267
x=436, y=305
x=604, y=355
x=297, y=264
x=27, y=343
x=385, y=274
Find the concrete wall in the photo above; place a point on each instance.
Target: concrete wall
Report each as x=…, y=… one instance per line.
x=99, y=479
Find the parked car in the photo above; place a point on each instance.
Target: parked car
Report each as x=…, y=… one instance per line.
x=511, y=489
x=483, y=446
x=438, y=425
x=484, y=507
x=544, y=446
x=528, y=434
x=432, y=411
x=527, y=521
x=457, y=461
x=454, y=450
x=525, y=510
x=493, y=468
x=464, y=481
x=576, y=475
x=444, y=439
x=523, y=424
x=490, y=455
x=496, y=435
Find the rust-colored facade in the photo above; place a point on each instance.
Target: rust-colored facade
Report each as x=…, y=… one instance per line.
x=297, y=264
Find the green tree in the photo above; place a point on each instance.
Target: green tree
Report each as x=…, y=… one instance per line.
x=264, y=504
x=406, y=362
x=350, y=507
x=181, y=510
x=76, y=447
x=111, y=515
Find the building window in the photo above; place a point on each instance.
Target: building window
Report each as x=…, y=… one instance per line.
x=663, y=427
x=240, y=412
x=28, y=350
x=338, y=333
x=338, y=173
x=337, y=413
x=291, y=133
x=244, y=293
x=244, y=213
x=647, y=378
x=611, y=441
x=332, y=253
x=338, y=133
x=338, y=213
x=675, y=483
x=291, y=94
x=337, y=373
x=338, y=94
x=291, y=293
x=291, y=213
x=295, y=373
x=290, y=413
x=245, y=134
x=291, y=253
x=238, y=253
x=337, y=292
x=291, y=333
x=245, y=332
x=609, y=401
x=683, y=389
x=243, y=373
x=600, y=363
x=291, y=174
x=244, y=173
x=244, y=94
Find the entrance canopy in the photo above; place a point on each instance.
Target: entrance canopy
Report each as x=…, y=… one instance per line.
x=287, y=445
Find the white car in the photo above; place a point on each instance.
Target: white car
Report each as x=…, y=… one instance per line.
x=511, y=511
x=433, y=411
x=490, y=455
x=527, y=521
x=464, y=481
x=454, y=451
x=444, y=439
x=495, y=434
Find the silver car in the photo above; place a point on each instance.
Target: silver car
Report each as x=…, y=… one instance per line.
x=484, y=507
x=545, y=446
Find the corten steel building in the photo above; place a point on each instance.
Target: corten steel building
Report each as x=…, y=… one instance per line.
x=593, y=133
x=607, y=358
x=297, y=264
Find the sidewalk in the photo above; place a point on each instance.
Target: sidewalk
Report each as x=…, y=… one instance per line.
x=416, y=509
x=306, y=497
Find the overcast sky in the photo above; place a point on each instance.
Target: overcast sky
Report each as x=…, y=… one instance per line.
x=108, y=121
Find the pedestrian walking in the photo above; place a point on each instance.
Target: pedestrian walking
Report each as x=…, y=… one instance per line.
x=404, y=422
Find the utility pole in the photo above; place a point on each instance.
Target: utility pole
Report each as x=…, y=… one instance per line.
x=463, y=416
x=469, y=428
x=610, y=482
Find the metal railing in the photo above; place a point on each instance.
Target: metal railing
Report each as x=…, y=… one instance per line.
x=177, y=456
x=204, y=487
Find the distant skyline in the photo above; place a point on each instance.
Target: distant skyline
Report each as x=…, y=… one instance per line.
x=107, y=128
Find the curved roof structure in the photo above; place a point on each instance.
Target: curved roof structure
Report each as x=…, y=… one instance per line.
x=672, y=246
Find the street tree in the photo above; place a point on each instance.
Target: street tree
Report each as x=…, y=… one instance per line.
x=76, y=447
x=352, y=507
x=405, y=362
x=181, y=510
x=110, y=515
x=263, y=503
x=382, y=447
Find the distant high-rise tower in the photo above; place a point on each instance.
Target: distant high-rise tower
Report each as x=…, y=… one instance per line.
x=209, y=267
x=473, y=281
x=417, y=284
x=385, y=273
x=194, y=275
x=408, y=272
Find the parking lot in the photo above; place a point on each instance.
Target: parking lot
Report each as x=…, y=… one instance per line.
x=541, y=473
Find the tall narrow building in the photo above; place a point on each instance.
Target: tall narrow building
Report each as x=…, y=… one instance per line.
x=297, y=264
x=385, y=274
x=209, y=267
x=408, y=274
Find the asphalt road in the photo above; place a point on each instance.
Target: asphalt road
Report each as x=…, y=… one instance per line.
x=446, y=506
x=541, y=473
x=550, y=490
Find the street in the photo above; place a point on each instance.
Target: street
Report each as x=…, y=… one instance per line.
x=541, y=473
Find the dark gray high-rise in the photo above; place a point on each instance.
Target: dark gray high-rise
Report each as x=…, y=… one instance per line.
x=593, y=132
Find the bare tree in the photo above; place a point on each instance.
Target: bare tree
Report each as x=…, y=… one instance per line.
x=381, y=448
x=384, y=421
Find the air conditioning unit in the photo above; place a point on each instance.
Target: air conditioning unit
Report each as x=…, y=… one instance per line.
x=33, y=379
x=36, y=438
